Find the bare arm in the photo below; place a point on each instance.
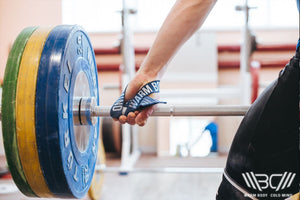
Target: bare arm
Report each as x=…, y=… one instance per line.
x=184, y=19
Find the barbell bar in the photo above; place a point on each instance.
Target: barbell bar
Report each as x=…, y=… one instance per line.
x=171, y=170
x=86, y=110
x=62, y=110
x=171, y=110
x=183, y=110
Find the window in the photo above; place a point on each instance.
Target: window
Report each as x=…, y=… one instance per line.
x=103, y=16
x=265, y=14
x=93, y=15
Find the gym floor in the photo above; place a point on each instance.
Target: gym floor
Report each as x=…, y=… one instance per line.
x=158, y=186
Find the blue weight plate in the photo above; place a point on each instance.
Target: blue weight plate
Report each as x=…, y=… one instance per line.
x=67, y=152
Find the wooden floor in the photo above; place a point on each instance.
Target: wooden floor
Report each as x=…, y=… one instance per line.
x=155, y=186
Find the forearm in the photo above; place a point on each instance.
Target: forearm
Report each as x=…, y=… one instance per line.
x=183, y=20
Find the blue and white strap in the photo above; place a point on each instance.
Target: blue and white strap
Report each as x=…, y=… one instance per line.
x=140, y=101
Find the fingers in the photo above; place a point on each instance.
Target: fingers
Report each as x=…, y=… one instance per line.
x=143, y=116
x=122, y=119
x=138, y=117
x=130, y=118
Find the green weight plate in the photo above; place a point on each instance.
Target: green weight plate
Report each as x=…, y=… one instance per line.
x=8, y=111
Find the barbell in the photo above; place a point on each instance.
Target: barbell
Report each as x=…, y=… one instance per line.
x=50, y=109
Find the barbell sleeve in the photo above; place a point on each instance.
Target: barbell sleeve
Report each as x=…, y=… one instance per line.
x=183, y=110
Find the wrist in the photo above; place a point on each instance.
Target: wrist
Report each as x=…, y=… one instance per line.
x=147, y=74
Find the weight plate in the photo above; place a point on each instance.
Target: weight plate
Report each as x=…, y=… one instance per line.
x=67, y=152
x=8, y=111
x=25, y=112
x=98, y=178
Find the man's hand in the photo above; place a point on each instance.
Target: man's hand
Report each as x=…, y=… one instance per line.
x=138, y=117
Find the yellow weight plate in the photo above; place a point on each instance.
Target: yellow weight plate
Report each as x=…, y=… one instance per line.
x=98, y=178
x=25, y=112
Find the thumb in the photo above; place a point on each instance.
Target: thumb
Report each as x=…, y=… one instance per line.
x=132, y=88
x=136, y=84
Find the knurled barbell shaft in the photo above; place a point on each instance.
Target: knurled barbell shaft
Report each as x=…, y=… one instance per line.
x=183, y=110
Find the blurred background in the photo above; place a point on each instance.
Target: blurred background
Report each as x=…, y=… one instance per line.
x=205, y=71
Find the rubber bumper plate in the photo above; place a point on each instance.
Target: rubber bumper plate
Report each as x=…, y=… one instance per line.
x=25, y=112
x=8, y=111
x=67, y=152
x=98, y=179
